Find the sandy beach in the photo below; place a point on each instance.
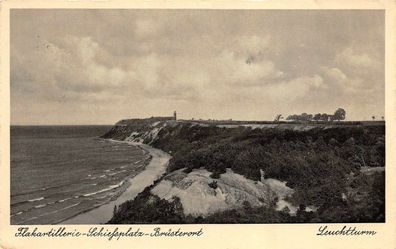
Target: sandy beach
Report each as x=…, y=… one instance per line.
x=137, y=184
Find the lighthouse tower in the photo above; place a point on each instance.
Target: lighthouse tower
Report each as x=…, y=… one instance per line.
x=174, y=115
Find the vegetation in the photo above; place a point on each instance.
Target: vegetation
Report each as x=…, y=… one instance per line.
x=339, y=114
x=322, y=165
x=148, y=208
x=367, y=207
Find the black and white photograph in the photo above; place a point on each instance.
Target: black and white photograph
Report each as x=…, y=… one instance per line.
x=197, y=116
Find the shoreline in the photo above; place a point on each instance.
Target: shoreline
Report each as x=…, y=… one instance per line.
x=136, y=184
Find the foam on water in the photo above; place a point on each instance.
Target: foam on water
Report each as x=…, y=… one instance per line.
x=105, y=189
x=64, y=200
x=36, y=199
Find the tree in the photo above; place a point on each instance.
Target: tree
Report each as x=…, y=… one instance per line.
x=325, y=117
x=373, y=117
x=317, y=117
x=304, y=116
x=213, y=184
x=339, y=114
x=278, y=117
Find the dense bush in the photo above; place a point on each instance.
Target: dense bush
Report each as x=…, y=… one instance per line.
x=368, y=207
x=147, y=208
x=317, y=164
x=313, y=162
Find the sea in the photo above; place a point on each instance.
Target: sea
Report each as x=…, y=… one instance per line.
x=58, y=172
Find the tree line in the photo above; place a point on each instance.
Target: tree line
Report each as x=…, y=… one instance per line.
x=338, y=115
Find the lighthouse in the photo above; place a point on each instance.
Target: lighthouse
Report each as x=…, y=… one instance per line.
x=174, y=115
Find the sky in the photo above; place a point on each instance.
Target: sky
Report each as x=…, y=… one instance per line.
x=100, y=66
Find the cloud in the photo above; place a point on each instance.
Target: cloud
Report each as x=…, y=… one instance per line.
x=349, y=85
x=68, y=67
x=301, y=87
x=355, y=59
x=252, y=45
x=335, y=74
x=244, y=70
x=150, y=62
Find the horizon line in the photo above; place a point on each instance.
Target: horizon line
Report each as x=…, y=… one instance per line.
x=195, y=120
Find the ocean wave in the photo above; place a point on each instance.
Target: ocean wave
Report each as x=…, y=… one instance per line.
x=31, y=191
x=15, y=204
x=39, y=206
x=36, y=199
x=24, y=193
x=73, y=205
x=40, y=190
x=102, y=197
x=17, y=214
x=39, y=199
x=115, y=173
x=64, y=200
x=32, y=218
x=105, y=189
x=53, y=212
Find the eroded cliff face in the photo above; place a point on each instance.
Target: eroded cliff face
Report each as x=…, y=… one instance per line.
x=199, y=198
x=283, y=166
x=136, y=128
x=194, y=189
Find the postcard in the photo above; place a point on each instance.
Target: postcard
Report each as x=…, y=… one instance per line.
x=210, y=124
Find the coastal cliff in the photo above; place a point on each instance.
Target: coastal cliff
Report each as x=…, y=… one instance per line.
x=265, y=172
